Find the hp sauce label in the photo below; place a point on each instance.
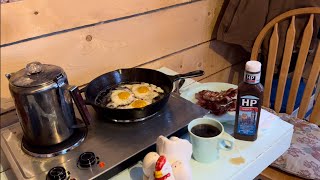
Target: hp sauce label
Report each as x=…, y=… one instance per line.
x=252, y=78
x=248, y=112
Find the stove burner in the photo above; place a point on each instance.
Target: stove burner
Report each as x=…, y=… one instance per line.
x=62, y=148
x=87, y=159
x=57, y=173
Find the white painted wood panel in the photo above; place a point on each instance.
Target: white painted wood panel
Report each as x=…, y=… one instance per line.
x=30, y=18
x=233, y=74
x=201, y=57
x=114, y=45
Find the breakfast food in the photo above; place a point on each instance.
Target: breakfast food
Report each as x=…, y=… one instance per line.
x=217, y=102
x=138, y=103
x=121, y=97
x=128, y=96
x=144, y=91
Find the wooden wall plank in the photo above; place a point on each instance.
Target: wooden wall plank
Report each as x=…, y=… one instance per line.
x=30, y=18
x=114, y=45
x=233, y=74
x=201, y=57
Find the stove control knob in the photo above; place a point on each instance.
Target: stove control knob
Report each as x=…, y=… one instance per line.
x=87, y=159
x=57, y=173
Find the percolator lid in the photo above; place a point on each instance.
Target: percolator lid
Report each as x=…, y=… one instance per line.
x=35, y=74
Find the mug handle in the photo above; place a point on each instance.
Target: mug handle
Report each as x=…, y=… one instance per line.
x=78, y=100
x=226, y=144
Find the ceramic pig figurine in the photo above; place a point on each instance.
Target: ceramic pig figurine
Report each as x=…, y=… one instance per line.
x=172, y=162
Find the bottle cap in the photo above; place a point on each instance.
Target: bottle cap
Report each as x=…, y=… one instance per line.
x=253, y=66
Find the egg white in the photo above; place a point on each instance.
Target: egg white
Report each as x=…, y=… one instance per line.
x=151, y=92
x=128, y=86
x=149, y=95
x=156, y=88
x=117, y=101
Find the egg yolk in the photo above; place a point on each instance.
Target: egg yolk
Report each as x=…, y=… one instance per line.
x=139, y=103
x=124, y=95
x=143, y=89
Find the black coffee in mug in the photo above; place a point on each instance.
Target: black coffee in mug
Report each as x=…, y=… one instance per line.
x=205, y=130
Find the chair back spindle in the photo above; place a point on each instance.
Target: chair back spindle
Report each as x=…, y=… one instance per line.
x=286, y=59
x=287, y=54
x=272, y=56
x=302, y=57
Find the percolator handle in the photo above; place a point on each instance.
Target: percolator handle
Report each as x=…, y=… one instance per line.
x=78, y=100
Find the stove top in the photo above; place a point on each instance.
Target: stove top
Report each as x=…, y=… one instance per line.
x=108, y=149
x=73, y=141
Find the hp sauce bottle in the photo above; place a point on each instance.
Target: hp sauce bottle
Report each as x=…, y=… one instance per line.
x=249, y=100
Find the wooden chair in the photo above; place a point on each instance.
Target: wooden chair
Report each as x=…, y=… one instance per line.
x=302, y=56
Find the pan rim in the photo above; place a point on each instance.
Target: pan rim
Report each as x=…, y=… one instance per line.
x=93, y=103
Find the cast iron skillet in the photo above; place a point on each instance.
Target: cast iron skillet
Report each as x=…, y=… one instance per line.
x=112, y=79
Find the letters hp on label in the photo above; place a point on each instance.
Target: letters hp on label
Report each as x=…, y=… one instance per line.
x=248, y=102
x=250, y=77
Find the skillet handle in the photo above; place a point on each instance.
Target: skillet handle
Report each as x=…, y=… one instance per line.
x=191, y=74
x=82, y=90
x=78, y=100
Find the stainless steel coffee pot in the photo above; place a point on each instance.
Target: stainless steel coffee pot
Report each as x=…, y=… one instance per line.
x=44, y=105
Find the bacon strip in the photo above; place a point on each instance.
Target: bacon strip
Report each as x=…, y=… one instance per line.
x=217, y=102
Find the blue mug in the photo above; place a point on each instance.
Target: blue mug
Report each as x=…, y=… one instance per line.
x=206, y=149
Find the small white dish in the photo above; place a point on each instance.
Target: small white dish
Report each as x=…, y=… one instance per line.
x=190, y=92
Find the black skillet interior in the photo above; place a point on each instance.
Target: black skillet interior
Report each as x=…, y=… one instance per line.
x=112, y=79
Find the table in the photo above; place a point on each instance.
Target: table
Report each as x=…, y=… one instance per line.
x=274, y=137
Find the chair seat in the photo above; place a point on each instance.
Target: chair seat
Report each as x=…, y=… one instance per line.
x=303, y=156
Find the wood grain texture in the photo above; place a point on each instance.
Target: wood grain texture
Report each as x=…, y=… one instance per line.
x=313, y=76
x=114, y=45
x=272, y=55
x=281, y=17
x=8, y=175
x=315, y=115
x=30, y=18
x=233, y=74
x=285, y=64
x=4, y=165
x=271, y=173
x=302, y=57
x=201, y=57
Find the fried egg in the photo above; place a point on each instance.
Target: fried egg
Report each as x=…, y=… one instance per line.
x=128, y=96
x=138, y=103
x=128, y=86
x=156, y=88
x=144, y=91
x=121, y=97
